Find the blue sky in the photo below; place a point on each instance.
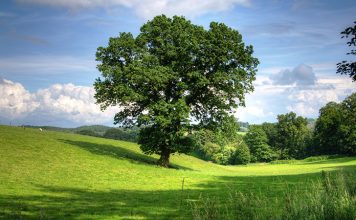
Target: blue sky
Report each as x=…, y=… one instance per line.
x=47, y=53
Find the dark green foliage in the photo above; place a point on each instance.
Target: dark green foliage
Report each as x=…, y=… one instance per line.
x=335, y=129
x=256, y=139
x=225, y=155
x=348, y=127
x=99, y=130
x=208, y=150
x=122, y=134
x=327, y=127
x=218, y=145
x=171, y=72
x=88, y=132
x=292, y=136
x=228, y=130
x=255, y=136
x=271, y=131
x=242, y=154
x=349, y=67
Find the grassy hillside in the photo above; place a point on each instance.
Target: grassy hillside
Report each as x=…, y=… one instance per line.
x=62, y=175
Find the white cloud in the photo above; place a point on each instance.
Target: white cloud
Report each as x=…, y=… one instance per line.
x=15, y=100
x=308, y=101
x=302, y=108
x=268, y=100
x=149, y=8
x=75, y=103
x=67, y=102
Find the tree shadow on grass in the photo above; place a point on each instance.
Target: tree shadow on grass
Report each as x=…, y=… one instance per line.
x=59, y=202
x=73, y=203
x=118, y=153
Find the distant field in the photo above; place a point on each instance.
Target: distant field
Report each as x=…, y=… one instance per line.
x=67, y=176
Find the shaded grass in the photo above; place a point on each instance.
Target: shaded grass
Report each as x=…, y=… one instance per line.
x=66, y=176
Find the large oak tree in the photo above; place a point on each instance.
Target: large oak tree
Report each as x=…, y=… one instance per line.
x=171, y=73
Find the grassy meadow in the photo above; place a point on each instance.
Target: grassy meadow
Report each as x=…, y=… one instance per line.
x=55, y=175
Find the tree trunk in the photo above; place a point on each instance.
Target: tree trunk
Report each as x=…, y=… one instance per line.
x=164, y=159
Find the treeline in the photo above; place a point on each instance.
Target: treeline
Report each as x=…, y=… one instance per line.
x=291, y=137
x=125, y=134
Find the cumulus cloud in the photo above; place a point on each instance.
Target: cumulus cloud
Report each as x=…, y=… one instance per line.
x=15, y=100
x=308, y=101
x=300, y=75
x=75, y=103
x=149, y=8
x=272, y=97
x=60, y=102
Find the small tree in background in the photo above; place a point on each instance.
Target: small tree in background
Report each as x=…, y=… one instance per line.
x=256, y=140
x=242, y=154
x=171, y=72
x=335, y=129
x=327, y=127
x=349, y=67
x=271, y=131
x=292, y=135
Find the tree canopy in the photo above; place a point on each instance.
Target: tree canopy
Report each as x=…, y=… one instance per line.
x=171, y=73
x=292, y=135
x=335, y=129
x=349, y=67
x=256, y=139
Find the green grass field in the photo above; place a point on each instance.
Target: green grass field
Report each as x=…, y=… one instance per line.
x=67, y=176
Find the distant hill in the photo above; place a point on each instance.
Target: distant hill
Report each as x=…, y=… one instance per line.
x=97, y=131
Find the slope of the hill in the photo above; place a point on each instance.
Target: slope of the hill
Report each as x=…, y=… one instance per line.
x=63, y=175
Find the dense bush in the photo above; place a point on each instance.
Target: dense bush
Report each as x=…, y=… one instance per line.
x=242, y=154
x=256, y=140
x=225, y=155
x=292, y=136
x=120, y=134
x=208, y=150
x=263, y=153
x=87, y=132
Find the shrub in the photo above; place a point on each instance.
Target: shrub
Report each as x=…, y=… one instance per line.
x=224, y=155
x=242, y=154
x=264, y=153
x=120, y=134
x=256, y=139
x=208, y=150
x=88, y=132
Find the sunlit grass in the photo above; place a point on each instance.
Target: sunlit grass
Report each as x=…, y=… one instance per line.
x=62, y=175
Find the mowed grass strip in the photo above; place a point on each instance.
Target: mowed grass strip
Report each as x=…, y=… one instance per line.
x=61, y=175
